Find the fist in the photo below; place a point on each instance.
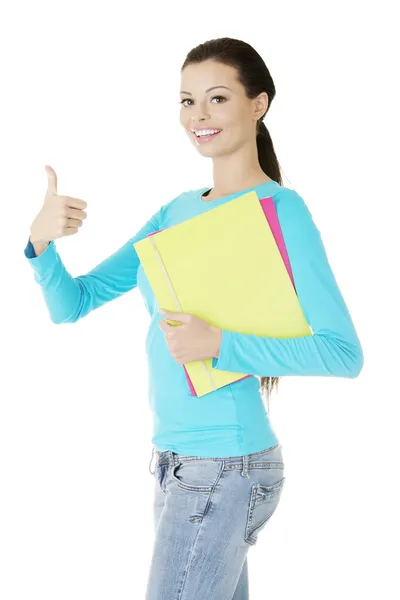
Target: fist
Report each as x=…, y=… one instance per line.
x=192, y=339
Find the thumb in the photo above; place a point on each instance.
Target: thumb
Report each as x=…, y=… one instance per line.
x=174, y=316
x=51, y=181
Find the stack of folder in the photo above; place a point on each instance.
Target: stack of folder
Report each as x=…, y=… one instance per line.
x=228, y=266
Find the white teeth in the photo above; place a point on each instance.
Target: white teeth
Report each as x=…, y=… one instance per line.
x=207, y=132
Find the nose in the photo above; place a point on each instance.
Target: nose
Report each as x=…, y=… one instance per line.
x=202, y=116
x=198, y=121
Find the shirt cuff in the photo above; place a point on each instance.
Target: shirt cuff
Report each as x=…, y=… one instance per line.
x=222, y=362
x=44, y=261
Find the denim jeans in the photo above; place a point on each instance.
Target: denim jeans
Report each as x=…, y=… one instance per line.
x=208, y=512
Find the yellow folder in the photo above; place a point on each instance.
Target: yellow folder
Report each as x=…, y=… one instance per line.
x=225, y=267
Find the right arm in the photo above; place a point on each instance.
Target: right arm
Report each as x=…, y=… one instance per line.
x=71, y=298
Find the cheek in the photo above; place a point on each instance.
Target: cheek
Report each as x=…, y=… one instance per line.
x=186, y=124
x=183, y=118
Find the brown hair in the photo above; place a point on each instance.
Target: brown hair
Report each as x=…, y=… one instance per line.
x=255, y=78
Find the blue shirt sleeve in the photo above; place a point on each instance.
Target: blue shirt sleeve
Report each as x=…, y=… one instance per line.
x=71, y=298
x=334, y=348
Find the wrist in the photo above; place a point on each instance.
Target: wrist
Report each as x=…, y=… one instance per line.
x=35, y=238
x=218, y=341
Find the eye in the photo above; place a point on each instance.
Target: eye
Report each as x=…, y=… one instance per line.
x=185, y=100
x=223, y=98
x=189, y=99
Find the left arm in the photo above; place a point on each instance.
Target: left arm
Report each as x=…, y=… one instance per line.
x=334, y=349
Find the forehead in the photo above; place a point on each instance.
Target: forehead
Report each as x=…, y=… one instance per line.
x=198, y=77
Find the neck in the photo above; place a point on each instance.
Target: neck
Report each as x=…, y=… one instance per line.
x=237, y=171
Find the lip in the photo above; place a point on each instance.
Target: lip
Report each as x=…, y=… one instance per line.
x=202, y=128
x=193, y=131
x=205, y=138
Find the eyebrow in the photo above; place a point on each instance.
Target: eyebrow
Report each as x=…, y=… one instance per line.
x=209, y=89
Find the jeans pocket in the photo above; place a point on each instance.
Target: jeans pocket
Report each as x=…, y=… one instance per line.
x=262, y=505
x=196, y=475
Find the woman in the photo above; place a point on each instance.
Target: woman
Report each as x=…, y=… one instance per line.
x=219, y=465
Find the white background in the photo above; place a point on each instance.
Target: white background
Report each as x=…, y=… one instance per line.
x=93, y=89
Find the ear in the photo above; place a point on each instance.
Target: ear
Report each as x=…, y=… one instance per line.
x=261, y=104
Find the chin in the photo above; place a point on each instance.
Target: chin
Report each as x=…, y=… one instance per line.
x=212, y=153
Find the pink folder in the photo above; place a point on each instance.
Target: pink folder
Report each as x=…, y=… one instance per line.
x=268, y=207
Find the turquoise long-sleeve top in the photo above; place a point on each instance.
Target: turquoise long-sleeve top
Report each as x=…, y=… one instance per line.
x=232, y=420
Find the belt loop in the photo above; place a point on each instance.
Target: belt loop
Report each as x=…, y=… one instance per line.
x=152, y=454
x=171, y=460
x=245, y=469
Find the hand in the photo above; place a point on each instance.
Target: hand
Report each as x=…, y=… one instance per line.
x=59, y=215
x=193, y=339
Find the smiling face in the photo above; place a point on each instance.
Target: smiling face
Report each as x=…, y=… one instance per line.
x=228, y=110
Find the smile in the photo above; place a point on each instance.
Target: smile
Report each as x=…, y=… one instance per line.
x=206, y=137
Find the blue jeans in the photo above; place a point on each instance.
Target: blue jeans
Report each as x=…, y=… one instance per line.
x=208, y=512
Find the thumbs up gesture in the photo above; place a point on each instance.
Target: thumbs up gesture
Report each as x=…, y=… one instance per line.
x=59, y=216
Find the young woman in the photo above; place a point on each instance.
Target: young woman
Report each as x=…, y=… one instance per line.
x=219, y=469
